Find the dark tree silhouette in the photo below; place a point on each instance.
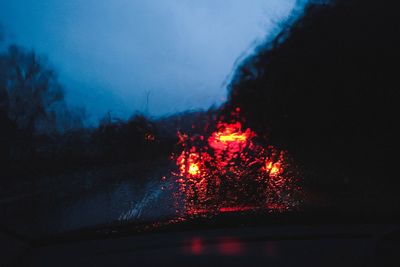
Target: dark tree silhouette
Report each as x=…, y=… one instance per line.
x=327, y=89
x=31, y=105
x=32, y=88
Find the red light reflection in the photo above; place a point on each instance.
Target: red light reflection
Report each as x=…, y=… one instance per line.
x=230, y=246
x=271, y=249
x=227, y=170
x=196, y=245
x=235, y=209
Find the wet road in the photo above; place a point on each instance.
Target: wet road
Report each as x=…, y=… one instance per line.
x=60, y=204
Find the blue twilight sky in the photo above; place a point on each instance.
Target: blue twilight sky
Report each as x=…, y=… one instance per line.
x=111, y=54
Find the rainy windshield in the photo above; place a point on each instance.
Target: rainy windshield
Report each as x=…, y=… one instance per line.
x=166, y=112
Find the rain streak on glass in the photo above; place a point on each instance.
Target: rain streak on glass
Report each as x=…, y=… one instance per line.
x=228, y=170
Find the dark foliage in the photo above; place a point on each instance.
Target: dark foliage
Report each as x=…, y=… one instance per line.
x=40, y=135
x=135, y=139
x=327, y=89
x=32, y=110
